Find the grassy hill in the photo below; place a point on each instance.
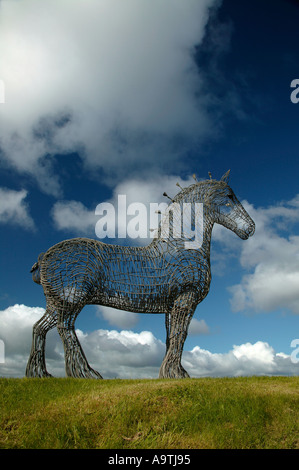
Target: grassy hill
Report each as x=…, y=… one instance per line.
x=254, y=412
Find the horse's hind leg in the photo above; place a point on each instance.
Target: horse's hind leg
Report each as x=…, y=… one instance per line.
x=177, y=324
x=76, y=364
x=36, y=366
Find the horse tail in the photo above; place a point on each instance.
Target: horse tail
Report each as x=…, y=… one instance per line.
x=35, y=270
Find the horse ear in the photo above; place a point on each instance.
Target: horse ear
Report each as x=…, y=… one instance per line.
x=225, y=177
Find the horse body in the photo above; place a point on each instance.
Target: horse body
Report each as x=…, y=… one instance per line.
x=163, y=277
x=142, y=280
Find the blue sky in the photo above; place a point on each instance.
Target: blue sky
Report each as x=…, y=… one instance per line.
x=129, y=97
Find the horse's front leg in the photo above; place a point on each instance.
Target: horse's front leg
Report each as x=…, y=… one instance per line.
x=177, y=324
x=36, y=366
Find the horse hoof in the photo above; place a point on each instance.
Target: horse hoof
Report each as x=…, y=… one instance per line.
x=172, y=372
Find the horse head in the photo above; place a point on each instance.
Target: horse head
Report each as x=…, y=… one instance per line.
x=227, y=209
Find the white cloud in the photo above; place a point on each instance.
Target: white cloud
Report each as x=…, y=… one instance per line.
x=198, y=327
x=16, y=321
x=13, y=208
x=16, y=324
x=274, y=257
x=127, y=354
x=123, y=354
x=119, y=318
x=245, y=359
x=117, y=81
x=73, y=216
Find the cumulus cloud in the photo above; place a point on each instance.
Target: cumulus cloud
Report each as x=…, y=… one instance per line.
x=198, y=327
x=119, y=318
x=274, y=258
x=13, y=208
x=111, y=80
x=73, y=216
x=127, y=354
x=123, y=354
x=245, y=359
x=16, y=324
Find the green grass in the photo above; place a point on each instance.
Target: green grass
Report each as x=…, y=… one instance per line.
x=252, y=413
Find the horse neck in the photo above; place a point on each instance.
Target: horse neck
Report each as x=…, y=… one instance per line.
x=192, y=195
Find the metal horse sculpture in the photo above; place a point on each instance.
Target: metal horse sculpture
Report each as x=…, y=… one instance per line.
x=164, y=277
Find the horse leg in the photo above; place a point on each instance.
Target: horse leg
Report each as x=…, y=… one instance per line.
x=167, y=327
x=176, y=333
x=36, y=366
x=76, y=364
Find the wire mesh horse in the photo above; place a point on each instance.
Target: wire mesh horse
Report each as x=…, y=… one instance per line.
x=163, y=277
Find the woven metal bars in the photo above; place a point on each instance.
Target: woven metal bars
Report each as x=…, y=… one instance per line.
x=171, y=275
